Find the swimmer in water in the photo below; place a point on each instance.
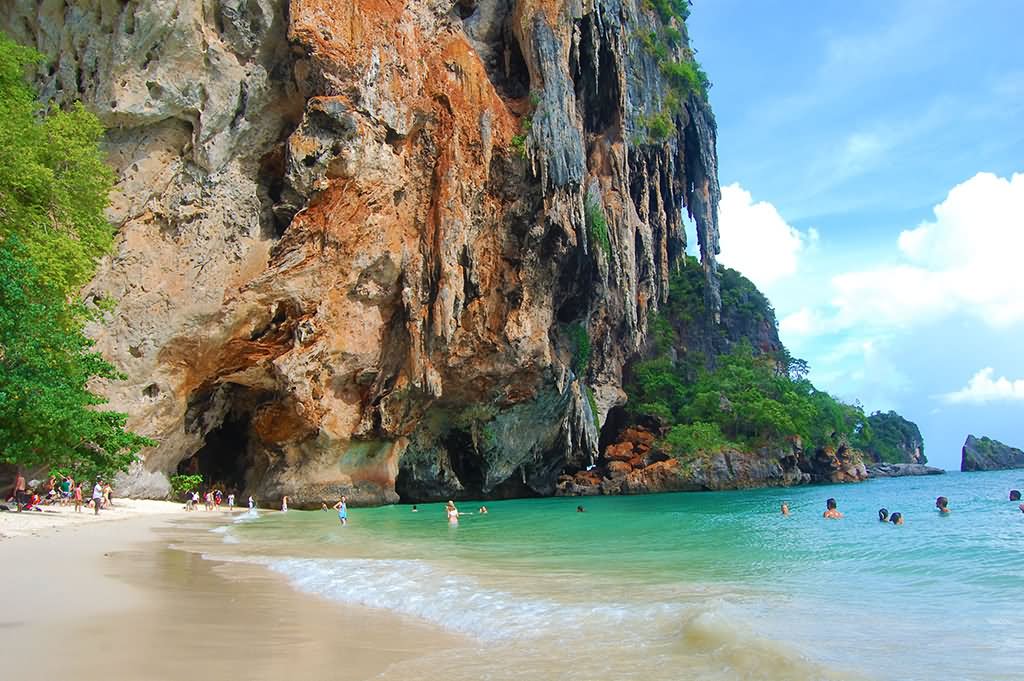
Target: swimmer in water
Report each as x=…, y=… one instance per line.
x=785, y=508
x=452, y=513
x=414, y=509
x=342, y=508
x=580, y=509
x=942, y=503
x=1014, y=495
x=483, y=510
x=896, y=518
x=883, y=515
x=831, y=511
x=1021, y=507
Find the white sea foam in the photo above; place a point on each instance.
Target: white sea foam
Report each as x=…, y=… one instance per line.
x=458, y=603
x=226, y=535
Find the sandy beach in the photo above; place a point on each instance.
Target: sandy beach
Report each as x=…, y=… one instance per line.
x=116, y=598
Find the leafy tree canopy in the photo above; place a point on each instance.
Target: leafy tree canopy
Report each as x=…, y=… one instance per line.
x=53, y=191
x=54, y=185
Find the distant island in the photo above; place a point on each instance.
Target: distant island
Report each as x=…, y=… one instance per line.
x=986, y=454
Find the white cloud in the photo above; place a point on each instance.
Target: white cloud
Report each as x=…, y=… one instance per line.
x=755, y=240
x=803, y=322
x=982, y=388
x=966, y=261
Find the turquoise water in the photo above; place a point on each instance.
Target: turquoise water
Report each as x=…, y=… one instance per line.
x=685, y=586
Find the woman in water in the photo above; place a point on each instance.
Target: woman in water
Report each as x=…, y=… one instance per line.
x=342, y=508
x=942, y=503
x=896, y=518
x=785, y=508
x=452, y=513
x=284, y=504
x=883, y=515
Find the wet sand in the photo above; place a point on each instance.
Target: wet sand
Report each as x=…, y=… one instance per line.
x=114, y=601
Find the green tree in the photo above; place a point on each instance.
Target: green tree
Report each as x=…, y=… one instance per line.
x=54, y=185
x=53, y=192
x=47, y=413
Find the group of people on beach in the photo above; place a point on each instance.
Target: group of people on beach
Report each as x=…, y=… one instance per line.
x=24, y=497
x=212, y=500
x=896, y=518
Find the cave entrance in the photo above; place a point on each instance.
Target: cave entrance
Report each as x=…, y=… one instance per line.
x=226, y=460
x=465, y=462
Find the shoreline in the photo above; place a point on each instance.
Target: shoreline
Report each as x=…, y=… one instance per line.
x=121, y=597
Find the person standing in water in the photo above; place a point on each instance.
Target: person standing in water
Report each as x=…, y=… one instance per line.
x=942, y=503
x=252, y=504
x=342, y=508
x=785, y=508
x=284, y=504
x=452, y=513
x=831, y=511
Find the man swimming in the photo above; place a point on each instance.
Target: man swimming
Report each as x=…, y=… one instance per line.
x=883, y=515
x=896, y=518
x=942, y=503
x=831, y=511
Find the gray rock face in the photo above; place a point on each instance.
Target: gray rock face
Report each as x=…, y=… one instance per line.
x=985, y=454
x=898, y=470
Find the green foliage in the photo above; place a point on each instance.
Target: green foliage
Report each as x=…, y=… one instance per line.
x=47, y=413
x=519, y=144
x=53, y=191
x=54, y=185
x=581, y=348
x=183, y=484
x=745, y=397
x=659, y=127
x=597, y=226
x=592, y=401
x=691, y=438
x=685, y=77
x=890, y=438
x=669, y=9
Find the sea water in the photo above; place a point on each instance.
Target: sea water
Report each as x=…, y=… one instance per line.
x=685, y=586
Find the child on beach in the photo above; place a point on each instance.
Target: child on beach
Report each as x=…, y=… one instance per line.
x=78, y=498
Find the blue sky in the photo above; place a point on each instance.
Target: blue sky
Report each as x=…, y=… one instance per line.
x=871, y=156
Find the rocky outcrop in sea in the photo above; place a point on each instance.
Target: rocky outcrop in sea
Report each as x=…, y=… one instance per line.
x=899, y=470
x=638, y=463
x=985, y=454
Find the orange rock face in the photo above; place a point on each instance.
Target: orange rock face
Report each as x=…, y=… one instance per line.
x=362, y=263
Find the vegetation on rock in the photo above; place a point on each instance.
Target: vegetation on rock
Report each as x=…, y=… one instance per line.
x=53, y=191
x=183, y=484
x=890, y=438
x=743, y=398
x=597, y=226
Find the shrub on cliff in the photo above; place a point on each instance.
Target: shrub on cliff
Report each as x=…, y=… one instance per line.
x=53, y=192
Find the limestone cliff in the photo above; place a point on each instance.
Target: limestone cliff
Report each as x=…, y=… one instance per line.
x=354, y=255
